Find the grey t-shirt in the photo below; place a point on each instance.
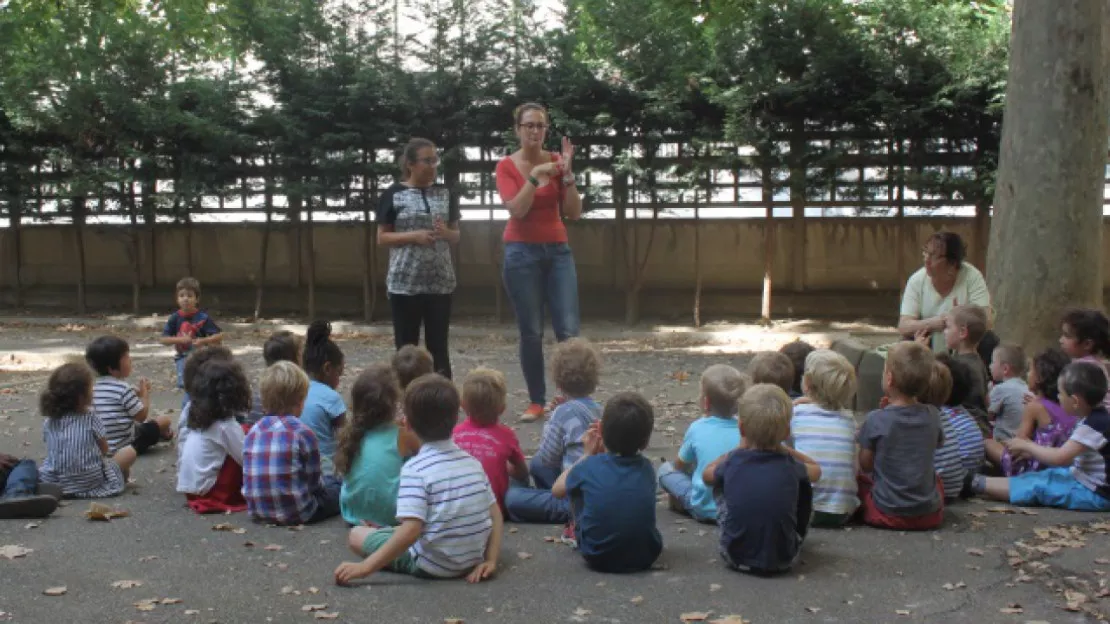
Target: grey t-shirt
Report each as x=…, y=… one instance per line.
x=904, y=440
x=1007, y=403
x=977, y=397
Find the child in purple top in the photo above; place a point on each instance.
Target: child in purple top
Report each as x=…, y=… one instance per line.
x=1043, y=421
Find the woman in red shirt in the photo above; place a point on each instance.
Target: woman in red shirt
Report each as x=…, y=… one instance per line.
x=538, y=189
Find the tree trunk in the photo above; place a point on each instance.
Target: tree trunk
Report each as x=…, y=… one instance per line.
x=697, y=261
x=79, y=235
x=768, y=234
x=15, y=215
x=310, y=257
x=798, y=163
x=264, y=252
x=1046, y=236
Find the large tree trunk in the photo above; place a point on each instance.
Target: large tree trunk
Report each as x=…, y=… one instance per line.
x=1046, y=237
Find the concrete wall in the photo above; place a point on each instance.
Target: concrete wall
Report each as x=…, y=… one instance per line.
x=848, y=268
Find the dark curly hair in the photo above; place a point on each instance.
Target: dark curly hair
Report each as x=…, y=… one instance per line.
x=220, y=390
x=576, y=367
x=105, y=354
x=199, y=357
x=374, y=397
x=68, y=391
x=319, y=349
x=1088, y=324
x=954, y=249
x=1048, y=365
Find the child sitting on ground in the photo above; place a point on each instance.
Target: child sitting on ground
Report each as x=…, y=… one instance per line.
x=22, y=494
x=197, y=359
x=324, y=410
x=1085, y=336
x=210, y=446
x=766, y=496
x=493, y=444
x=450, y=524
x=823, y=428
x=188, y=327
x=964, y=328
x=946, y=459
x=1043, y=420
x=772, y=367
x=576, y=368
x=612, y=490
x=372, y=449
x=281, y=346
x=900, y=488
x=125, y=413
x=797, y=351
x=410, y=362
x=969, y=436
x=282, y=480
x=76, y=441
x=706, y=439
x=1007, y=398
x=1079, y=480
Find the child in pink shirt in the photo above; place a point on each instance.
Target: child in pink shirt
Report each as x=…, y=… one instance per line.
x=493, y=444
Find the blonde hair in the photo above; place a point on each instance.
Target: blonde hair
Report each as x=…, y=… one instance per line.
x=940, y=385
x=284, y=387
x=911, y=367
x=772, y=367
x=973, y=319
x=576, y=367
x=829, y=379
x=483, y=395
x=722, y=386
x=765, y=412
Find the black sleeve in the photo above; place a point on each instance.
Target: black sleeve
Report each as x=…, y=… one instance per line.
x=386, y=213
x=454, y=214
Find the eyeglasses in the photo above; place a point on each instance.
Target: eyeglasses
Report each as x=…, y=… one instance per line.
x=531, y=127
x=431, y=161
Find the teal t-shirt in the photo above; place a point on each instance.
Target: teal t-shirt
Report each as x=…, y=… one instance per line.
x=322, y=407
x=707, y=439
x=370, y=486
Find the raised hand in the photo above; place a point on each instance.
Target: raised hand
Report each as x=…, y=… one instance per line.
x=568, y=156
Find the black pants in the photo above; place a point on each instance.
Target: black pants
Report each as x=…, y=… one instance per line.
x=431, y=311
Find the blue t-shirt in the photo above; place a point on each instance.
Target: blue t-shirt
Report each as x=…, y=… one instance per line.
x=613, y=499
x=706, y=439
x=322, y=407
x=197, y=325
x=767, y=501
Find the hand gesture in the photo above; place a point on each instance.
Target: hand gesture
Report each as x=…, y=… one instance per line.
x=545, y=172
x=591, y=440
x=440, y=227
x=349, y=571
x=144, y=386
x=1019, y=447
x=482, y=572
x=568, y=156
x=922, y=337
x=424, y=238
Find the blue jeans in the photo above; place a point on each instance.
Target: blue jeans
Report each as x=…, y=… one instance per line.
x=179, y=366
x=22, y=481
x=538, y=504
x=535, y=274
x=676, y=483
x=327, y=499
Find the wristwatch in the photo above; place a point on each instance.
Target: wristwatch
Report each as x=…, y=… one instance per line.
x=533, y=181
x=568, y=180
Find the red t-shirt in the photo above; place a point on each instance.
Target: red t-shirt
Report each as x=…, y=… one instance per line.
x=543, y=223
x=493, y=446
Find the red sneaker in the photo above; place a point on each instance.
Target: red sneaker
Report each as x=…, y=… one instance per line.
x=532, y=414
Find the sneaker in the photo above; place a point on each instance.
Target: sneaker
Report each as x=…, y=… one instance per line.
x=37, y=506
x=51, y=489
x=532, y=414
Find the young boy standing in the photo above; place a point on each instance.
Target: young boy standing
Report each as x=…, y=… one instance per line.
x=1007, y=399
x=124, y=412
x=766, y=496
x=612, y=490
x=450, y=524
x=897, y=446
x=964, y=328
x=188, y=327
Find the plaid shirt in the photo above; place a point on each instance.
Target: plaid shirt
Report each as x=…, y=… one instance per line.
x=281, y=470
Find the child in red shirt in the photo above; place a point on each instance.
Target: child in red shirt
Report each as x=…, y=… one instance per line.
x=493, y=444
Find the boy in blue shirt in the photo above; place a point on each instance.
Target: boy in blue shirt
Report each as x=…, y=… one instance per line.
x=766, y=498
x=706, y=439
x=188, y=327
x=612, y=490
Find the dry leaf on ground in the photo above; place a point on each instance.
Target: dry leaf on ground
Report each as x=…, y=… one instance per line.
x=192, y=612
x=273, y=547
x=1102, y=561
x=901, y=612
x=730, y=619
x=975, y=552
x=695, y=616
x=31, y=525
x=951, y=586
x=714, y=587
x=148, y=604
x=11, y=551
x=54, y=591
x=1002, y=510
x=171, y=601
x=454, y=621
x=524, y=555
x=813, y=609
x=637, y=599
x=314, y=607
x=127, y=584
x=1012, y=609
x=1074, y=600
x=323, y=615
x=103, y=513
x=223, y=526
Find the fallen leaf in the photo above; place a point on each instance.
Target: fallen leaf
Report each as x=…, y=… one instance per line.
x=1074, y=600
x=146, y=605
x=580, y=611
x=104, y=513
x=695, y=616
x=1002, y=510
x=454, y=621
x=901, y=612
x=238, y=531
x=813, y=609
x=323, y=615
x=54, y=591
x=273, y=547
x=730, y=619
x=127, y=584
x=12, y=551
x=714, y=587
x=975, y=552
x=314, y=607
x=223, y=526
x=1012, y=609
x=31, y=525
x=1102, y=561
x=288, y=589
x=511, y=530
x=1027, y=512
x=313, y=590
x=637, y=599
x=147, y=558
x=192, y=612
x=248, y=544
x=171, y=601
x=524, y=555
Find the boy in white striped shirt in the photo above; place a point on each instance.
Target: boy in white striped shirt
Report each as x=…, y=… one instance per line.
x=450, y=523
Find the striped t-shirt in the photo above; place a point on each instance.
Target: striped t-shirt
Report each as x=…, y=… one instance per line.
x=116, y=403
x=968, y=436
x=830, y=439
x=947, y=460
x=448, y=490
x=1090, y=466
x=561, y=444
x=73, y=458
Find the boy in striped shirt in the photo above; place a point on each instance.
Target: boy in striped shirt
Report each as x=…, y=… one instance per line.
x=450, y=523
x=124, y=412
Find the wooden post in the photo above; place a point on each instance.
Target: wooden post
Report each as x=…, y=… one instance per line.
x=768, y=232
x=798, y=162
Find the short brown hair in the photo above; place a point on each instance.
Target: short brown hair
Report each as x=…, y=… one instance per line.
x=940, y=385
x=432, y=407
x=68, y=391
x=576, y=367
x=723, y=385
x=830, y=379
x=911, y=367
x=190, y=284
x=772, y=367
x=626, y=424
x=765, y=412
x=972, y=319
x=284, y=387
x=518, y=112
x=411, y=362
x=1011, y=355
x=483, y=394
x=797, y=351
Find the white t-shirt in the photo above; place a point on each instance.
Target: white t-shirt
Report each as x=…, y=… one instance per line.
x=201, y=454
x=922, y=301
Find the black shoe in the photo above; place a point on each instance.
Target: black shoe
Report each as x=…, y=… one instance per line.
x=51, y=489
x=38, y=506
